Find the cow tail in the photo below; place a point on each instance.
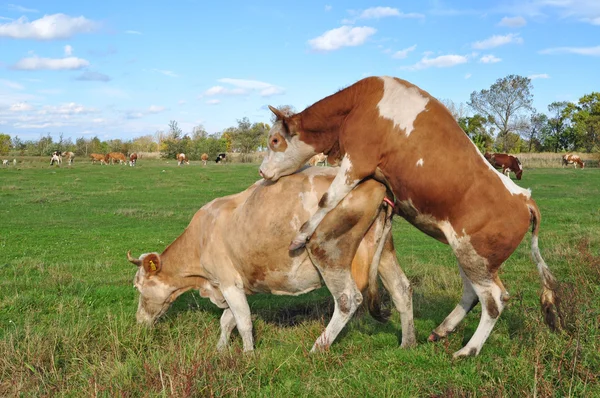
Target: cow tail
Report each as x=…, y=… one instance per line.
x=549, y=299
x=373, y=296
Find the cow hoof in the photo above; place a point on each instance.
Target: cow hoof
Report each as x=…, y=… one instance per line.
x=298, y=242
x=434, y=337
x=465, y=352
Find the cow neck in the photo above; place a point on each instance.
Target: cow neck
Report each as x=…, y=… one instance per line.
x=181, y=260
x=319, y=124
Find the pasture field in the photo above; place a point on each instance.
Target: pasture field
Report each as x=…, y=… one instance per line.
x=67, y=305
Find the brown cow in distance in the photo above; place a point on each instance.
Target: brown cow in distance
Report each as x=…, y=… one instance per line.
x=226, y=263
x=114, y=157
x=390, y=129
x=181, y=158
x=204, y=158
x=96, y=157
x=572, y=159
x=505, y=162
x=133, y=159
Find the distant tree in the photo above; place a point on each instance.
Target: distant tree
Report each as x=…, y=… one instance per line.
x=538, y=126
x=555, y=137
x=199, y=132
x=248, y=137
x=174, y=130
x=506, y=99
x=144, y=143
x=5, y=143
x=585, y=122
x=45, y=146
x=458, y=111
x=81, y=147
x=18, y=145
x=475, y=128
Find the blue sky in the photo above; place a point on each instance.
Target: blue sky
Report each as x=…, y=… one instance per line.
x=122, y=69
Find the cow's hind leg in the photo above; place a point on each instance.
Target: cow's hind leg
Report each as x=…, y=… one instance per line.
x=236, y=299
x=227, y=326
x=467, y=302
x=347, y=299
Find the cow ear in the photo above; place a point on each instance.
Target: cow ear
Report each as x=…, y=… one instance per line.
x=152, y=263
x=277, y=112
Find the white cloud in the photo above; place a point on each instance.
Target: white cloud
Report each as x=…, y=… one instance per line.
x=38, y=63
x=133, y=32
x=583, y=10
x=18, y=8
x=539, y=76
x=181, y=102
x=514, y=22
x=244, y=87
x=328, y=7
x=90, y=76
x=404, y=53
x=468, y=76
x=70, y=108
x=593, y=21
x=68, y=50
x=489, y=59
x=156, y=109
x=213, y=102
x=21, y=107
x=443, y=61
x=497, y=40
x=11, y=84
x=166, y=72
x=592, y=51
x=382, y=12
x=49, y=27
x=345, y=36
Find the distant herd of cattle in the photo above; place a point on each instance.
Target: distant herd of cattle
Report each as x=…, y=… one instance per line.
x=502, y=161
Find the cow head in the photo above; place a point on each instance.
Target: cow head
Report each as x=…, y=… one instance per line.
x=519, y=172
x=286, y=150
x=156, y=294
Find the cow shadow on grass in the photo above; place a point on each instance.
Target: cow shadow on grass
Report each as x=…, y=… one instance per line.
x=289, y=312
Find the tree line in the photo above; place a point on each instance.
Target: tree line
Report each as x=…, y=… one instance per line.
x=505, y=120
x=499, y=119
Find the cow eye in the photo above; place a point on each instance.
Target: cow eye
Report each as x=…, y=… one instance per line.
x=275, y=141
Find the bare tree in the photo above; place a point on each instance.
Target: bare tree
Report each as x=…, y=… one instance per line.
x=504, y=103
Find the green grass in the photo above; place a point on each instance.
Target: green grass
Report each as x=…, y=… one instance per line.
x=67, y=305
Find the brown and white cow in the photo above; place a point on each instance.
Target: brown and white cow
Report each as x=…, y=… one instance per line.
x=133, y=159
x=505, y=162
x=70, y=156
x=96, y=157
x=114, y=157
x=5, y=162
x=181, y=158
x=56, y=158
x=572, y=159
x=226, y=263
x=318, y=159
x=204, y=158
x=391, y=129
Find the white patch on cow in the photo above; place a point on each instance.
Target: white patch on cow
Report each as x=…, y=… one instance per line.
x=295, y=223
x=420, y=162
x=401, y=104
x=510, y=186
x=461, y=245
x=310, y=200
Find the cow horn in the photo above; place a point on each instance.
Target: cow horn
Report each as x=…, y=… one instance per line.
x=134, y=260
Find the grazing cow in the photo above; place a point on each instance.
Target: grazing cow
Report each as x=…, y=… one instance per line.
x=5, y=162
x=505, y=162
x=114, y=157
x=181, y=158
x=56, y=158
x=14, y=162
x=226, y=264
x=320, y=158
x=204, y=158
x=96, y=157
x=133, y=159
x=389, y=128
x=70, y=156
x=221, y=158
x=572, y=159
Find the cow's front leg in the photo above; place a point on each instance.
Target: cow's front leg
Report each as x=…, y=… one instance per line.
x=236, y=299
x=227, y=326
x=345, y=180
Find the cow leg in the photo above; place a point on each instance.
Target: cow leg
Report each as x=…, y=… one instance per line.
x=345, y=180
x=347, y=299
x=236, y=299
x=467, y=302
x=397, y=284
x=227, y=326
